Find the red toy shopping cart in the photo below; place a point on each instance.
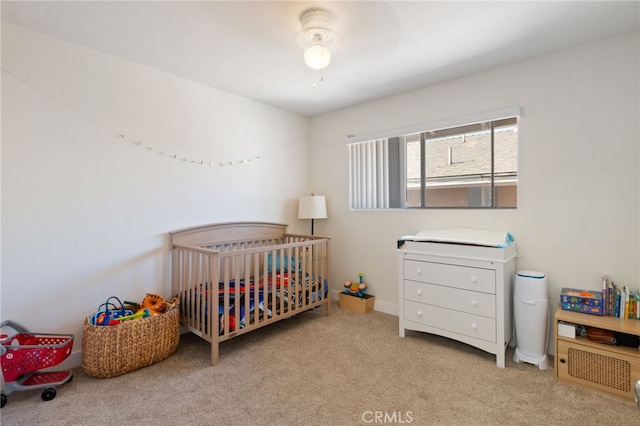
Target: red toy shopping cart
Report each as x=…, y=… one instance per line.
x=23, y=353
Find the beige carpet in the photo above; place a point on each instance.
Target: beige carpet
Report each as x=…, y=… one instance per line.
x=345, y=369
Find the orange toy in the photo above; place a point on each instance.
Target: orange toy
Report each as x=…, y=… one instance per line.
x=155, y=303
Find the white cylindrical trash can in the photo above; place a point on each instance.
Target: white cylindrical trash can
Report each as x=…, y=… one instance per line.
x=531, y=313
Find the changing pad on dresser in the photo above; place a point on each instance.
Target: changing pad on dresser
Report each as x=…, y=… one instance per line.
x=470, y=236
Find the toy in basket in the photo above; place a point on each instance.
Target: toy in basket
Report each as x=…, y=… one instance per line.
x=109, y=313
x=24, y=353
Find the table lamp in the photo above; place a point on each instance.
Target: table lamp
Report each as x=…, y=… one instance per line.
x=312, y=207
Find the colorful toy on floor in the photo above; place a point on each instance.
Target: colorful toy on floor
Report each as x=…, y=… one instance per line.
x=355, y=289
x=24, y=354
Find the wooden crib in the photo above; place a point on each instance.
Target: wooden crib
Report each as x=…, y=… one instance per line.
x=232, y=278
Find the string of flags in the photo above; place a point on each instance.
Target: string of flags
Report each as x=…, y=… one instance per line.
x=151, y=148
x=175, y=156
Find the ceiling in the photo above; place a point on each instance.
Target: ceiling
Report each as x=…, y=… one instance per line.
x=384, y=48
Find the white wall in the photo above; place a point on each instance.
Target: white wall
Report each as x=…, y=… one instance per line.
x=85, y=213
x=579, y=187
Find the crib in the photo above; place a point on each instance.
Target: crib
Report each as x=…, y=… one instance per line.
x=233, y=278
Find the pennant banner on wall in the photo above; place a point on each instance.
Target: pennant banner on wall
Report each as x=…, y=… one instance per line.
x=151, y=148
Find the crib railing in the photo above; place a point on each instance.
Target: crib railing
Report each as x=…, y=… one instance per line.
x=227, y=289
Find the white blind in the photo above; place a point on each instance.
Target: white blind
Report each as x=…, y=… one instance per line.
x=369, y=178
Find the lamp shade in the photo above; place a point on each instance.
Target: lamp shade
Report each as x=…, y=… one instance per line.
x=317, y=57
x=312, y=207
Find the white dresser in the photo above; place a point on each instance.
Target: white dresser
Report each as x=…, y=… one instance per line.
x=463, y=292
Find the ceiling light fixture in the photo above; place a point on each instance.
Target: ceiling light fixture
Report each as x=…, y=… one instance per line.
x=317, y=57
x=316, y=37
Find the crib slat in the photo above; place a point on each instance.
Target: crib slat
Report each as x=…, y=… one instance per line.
x=256, y=289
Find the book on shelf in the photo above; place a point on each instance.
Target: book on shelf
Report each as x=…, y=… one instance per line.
x=619, y=301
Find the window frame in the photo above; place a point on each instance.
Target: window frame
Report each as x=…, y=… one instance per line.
x=397, y=169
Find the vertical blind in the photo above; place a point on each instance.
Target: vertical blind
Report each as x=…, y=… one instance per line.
x=369, y=178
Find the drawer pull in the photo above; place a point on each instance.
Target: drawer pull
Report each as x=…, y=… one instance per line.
x=419, y=313
x=419, y=271
x=419, y=292
x=474, y=303
x=474, y=327
x=474, y=279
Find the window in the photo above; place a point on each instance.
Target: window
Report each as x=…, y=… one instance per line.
x=464, y=166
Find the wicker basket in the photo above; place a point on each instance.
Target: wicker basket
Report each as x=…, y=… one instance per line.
x=109, y=351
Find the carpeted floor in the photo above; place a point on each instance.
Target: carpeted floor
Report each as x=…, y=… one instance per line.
x=345, y=369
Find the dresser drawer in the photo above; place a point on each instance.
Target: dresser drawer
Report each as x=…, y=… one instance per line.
x=463, y=277
x=451, y=298
x=446, y=319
